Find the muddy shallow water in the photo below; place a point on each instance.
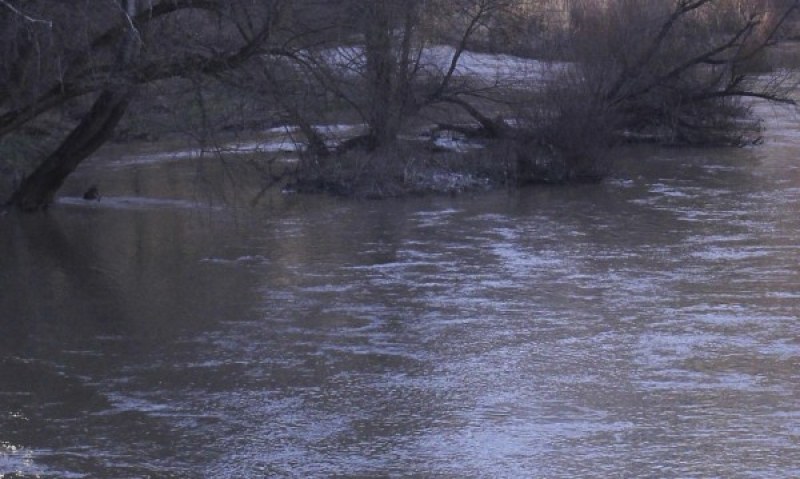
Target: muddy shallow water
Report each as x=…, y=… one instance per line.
x=643, y=327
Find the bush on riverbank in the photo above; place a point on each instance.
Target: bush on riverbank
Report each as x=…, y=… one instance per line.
x=677, y=74
x=411, y=167
x=407, y=167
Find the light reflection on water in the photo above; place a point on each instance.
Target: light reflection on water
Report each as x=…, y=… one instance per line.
x=644, y=327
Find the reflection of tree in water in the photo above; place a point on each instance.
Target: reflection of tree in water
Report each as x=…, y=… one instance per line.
x=89, y=354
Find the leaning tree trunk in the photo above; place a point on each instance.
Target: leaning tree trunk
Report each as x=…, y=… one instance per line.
x=37, y=191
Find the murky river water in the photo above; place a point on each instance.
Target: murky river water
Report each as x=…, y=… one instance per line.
x=644, y=327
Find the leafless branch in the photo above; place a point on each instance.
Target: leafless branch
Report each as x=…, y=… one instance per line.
x=25, y=16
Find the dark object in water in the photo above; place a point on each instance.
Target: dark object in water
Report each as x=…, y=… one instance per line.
x=92, y=193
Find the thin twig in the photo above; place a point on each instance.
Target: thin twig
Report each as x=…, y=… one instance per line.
x=24, y=15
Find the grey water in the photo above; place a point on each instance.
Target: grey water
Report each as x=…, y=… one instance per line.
x=646, y=326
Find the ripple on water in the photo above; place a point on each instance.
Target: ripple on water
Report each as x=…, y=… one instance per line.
x=553, y=332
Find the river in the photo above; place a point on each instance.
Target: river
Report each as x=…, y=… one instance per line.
x=646, y=326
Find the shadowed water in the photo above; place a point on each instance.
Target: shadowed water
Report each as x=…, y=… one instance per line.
x=643, y=327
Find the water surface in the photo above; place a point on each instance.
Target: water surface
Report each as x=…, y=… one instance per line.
x=643, y=327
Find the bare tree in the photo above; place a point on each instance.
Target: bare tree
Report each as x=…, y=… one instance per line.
x=675, y=66
x=106, y=50
x=669, y=71
x=380, y=60
x=680, y=68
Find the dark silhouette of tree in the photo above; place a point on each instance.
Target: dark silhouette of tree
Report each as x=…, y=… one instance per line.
x=56, y=52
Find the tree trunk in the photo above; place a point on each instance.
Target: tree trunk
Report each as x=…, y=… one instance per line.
x=38, y=190
x=380, y=69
